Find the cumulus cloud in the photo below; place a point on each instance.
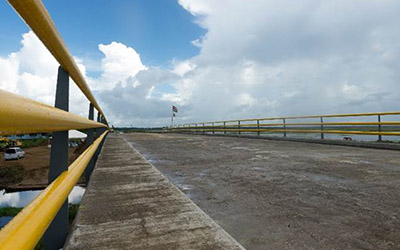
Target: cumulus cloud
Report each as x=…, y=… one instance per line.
x=32, y=72
x=120, y=62
x=257, y=58
x=266, y=58
x=28, y=71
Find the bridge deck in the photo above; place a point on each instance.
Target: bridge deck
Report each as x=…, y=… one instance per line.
x=129, y=204
x=272, y=194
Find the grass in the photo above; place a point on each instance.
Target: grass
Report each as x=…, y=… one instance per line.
x=34, y=142
x=13, y=211
x=9, y=211
x=11, y=175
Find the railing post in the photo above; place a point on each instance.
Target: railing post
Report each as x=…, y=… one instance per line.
x=322, y=127
x=56, y=233
x=379, y=128
x=195, y=130
x=239, y=126
x=98, y=130
x=89, y=141
x=213, y=128
x=284, y=127
x=258, y=127
x=203, y=129
x=224, y=128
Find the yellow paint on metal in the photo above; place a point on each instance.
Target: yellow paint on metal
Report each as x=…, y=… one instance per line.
x=20, y=115
x=304, y=117
x=26, y=229
x=300, y=124
x=38, y=19
x=390, y=133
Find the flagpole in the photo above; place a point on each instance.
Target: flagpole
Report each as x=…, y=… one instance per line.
x=172, y=118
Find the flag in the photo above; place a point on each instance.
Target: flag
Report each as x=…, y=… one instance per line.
x=174, y=109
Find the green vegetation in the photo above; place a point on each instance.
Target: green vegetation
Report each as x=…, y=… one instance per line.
x=13, y=211
x=11, y=175
x=9, y=211
x=72, y=210
x=34, y=142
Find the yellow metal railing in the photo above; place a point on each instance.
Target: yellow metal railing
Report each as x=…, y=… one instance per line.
x=20, y=115
x=291, y=124
x=38, y=19
x=26, y=229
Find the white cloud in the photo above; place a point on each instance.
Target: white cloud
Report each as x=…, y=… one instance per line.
x=352, y=92
x=181, y=68
x=31, y=71
x=293, y=58
x=257, y=58
x=245, y=99
x=8, y=74
x=119, y=63
x=195, y=7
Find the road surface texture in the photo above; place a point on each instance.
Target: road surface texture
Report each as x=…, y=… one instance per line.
x=129, y=204
x=285, y=195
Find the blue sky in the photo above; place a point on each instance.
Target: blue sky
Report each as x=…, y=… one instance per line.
x=159, y=30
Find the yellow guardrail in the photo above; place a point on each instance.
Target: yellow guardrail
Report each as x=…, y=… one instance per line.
x=38, y=19
x=20, y=115
x=301, y=117
x=258, y=125
x=301, y=124
x=26, y=229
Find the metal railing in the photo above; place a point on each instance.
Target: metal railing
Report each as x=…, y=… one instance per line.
x=321, y=124
x=38, y=19
x=48, y=213
x=26, y=229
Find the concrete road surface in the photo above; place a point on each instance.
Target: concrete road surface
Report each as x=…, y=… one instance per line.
x=285, y=195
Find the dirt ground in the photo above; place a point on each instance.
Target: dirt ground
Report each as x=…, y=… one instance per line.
x=285, y=195
x=36, y=166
